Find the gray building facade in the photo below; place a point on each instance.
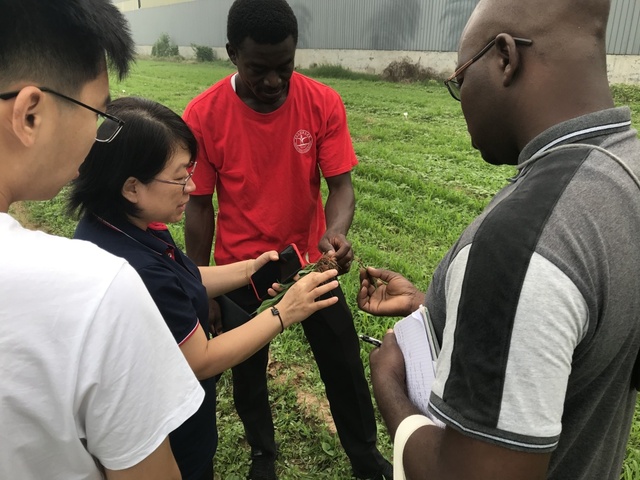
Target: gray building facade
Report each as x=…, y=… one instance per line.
x=396, y=25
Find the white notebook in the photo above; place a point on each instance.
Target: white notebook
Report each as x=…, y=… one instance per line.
x=417, y=340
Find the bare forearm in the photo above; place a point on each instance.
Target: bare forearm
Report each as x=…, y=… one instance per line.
x=208, y=357
x=221, y=279
x=199, y=227
x=434, y=453
x=339, y=210
x=394, y=406
x=340, y=205
x=420, y=455
x=235, y=346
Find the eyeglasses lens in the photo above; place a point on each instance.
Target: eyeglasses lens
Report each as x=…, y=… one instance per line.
x=107, y=130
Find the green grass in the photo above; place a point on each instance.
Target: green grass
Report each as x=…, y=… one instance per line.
x=418, y=184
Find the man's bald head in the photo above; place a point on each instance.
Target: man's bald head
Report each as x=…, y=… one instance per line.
x=540, y=18
x=523, y=90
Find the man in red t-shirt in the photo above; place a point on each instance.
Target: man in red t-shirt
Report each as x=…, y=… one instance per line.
x=267, y=136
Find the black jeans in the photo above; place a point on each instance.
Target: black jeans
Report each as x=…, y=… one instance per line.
x=334, y=342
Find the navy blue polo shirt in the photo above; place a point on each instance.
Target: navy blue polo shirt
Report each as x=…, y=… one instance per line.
x=175, y=284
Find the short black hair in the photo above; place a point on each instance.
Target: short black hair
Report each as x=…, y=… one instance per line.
x=152, y=133
x=264, y=21
x=62, y=44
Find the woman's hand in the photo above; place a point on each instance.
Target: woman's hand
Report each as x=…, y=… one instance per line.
x=262, y=260
x=300, y=300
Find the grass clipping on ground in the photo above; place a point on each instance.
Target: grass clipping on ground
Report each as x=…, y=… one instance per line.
x=324, y=263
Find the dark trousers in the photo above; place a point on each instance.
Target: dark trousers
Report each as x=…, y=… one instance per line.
x=334, y=342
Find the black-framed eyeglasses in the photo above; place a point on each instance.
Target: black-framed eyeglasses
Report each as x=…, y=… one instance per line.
x=453, y=85
x=108, y=125
x=183, y=183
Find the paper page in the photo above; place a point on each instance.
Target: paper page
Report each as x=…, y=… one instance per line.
x=411, y=333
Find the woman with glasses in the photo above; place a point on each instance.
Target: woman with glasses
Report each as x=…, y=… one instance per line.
x=126, y=191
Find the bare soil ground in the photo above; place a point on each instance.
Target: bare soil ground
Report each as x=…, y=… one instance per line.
x=314, y=407
x=19, y=211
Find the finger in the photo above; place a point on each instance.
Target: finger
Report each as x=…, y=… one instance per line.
x=316, y=278
x=330, y=251
x=325, y=288
x=344, y=252
x=275, y=289
x=363, y=299
x=345, y=268
x=320, y=304
x=364, y=277
x=384, y=275
x=390, y=338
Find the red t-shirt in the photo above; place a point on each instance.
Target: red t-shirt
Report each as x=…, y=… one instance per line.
x=266, y=168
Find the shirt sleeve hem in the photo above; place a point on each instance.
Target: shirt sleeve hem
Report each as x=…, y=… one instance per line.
x=510, y=440
x=190, y=334
x=180, y=414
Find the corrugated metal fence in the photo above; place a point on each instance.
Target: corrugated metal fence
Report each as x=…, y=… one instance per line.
x=414, y=25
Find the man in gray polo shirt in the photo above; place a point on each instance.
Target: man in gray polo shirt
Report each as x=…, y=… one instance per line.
x=536, y=306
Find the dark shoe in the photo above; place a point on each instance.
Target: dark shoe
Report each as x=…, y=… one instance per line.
x=263, y=466
x=385, y=473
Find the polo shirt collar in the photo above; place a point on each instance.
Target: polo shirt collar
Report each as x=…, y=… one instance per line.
x=144, y=237
x=579, y=129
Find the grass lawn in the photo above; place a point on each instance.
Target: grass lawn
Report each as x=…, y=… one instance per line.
x=418, y=184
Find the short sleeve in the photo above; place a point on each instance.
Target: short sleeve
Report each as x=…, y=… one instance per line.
x=335, y=149
x=175, y=304
x=134, y=384
x=511, y=392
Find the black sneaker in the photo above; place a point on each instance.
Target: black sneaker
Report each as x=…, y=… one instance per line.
x=263, y=466
x=385, y=473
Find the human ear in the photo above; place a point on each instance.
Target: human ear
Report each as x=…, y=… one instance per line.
x=509, y=58
x=233, y=53
x=130, y=189
x=27, y=115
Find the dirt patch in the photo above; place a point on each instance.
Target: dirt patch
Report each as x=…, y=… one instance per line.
x=311, y=405
x=20, y=212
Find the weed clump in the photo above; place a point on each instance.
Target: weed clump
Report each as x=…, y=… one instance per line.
x=405, y=71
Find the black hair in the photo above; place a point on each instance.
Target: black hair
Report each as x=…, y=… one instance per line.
x=152, y=133
x=264, y=21
x=62, y=44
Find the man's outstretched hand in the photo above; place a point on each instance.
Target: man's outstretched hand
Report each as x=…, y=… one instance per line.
x=386, y=294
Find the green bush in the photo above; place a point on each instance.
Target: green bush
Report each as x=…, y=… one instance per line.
x=204, y=53
x=164, y=47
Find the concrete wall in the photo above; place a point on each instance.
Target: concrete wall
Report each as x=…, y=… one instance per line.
x=620, y=68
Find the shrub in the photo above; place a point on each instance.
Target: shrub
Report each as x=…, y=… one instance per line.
x=336, y=71
x=203, y=53
x=164, y=47
x=406, y=71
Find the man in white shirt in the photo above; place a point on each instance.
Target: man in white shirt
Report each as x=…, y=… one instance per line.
x=91, y=380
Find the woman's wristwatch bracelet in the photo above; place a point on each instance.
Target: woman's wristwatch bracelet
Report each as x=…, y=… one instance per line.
x=276, y=313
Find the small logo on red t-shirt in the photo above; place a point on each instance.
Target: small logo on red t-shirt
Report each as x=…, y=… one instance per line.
x=302, y=141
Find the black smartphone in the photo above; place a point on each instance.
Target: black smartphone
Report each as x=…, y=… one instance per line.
x=282, y=270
